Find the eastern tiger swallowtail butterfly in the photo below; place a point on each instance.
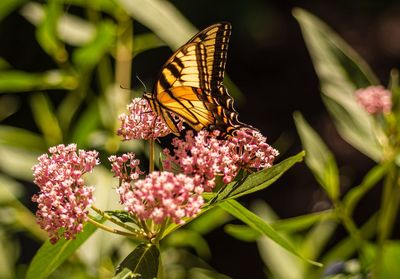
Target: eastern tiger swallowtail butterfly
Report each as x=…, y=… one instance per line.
x=190, y=84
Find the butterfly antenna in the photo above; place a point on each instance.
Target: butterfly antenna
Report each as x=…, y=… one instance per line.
x=144, y=85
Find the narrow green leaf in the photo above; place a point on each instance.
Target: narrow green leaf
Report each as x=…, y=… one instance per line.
x=191, y=239
x=143, y=261
x=259, y=180
x=319, y=158
x=209, y=221
x=46, y=120
x=255, y=222
x=302, y=222
x=356, y=193
x=47, y=33
x=17, y=162
x=86, y=125
x=7, y=6
x=50, y=256
x=90, y=55
x=124, y=274
x=145, y=42
x=391, y=256
x=17, y=81
x=341, y=71
x=242, y=232
x=17, y=137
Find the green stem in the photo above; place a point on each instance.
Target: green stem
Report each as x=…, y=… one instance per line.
x=151, y=155
x=387, y=214
x=115, y=221
x=112, y=230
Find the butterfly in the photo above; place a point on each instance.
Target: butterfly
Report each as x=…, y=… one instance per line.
x=190, y=85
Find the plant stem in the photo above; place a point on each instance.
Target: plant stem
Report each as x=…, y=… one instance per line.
x=115, y=221
x=151, y=155
x=112, y=230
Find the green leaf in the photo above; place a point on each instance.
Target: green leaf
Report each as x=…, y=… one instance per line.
x=189, y=238
x=50, y=256
x=302, y=222
x=17, y=81
x=319, y=158
x=255, y=222
x=47, y=33
x=17, y=162
x=90, y=55
x=121, y=215
x=145, y=42
x=356, y=193
x=7, y=6
x=86, y=125
x=17, y=137
x=46, y=120
x=259, y=180
x=391, y=256
x=142, y=262
x=242, y=232
x=341, y=71
x=209, y=221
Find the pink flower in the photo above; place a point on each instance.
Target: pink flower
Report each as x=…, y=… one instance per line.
x=142, y=122
x=125, y=167
x=374, y=99
x=252, y=150
x=162, y=195
x=205, y=156
x=63, y=198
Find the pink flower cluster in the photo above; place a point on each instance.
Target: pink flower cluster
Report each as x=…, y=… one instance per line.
x=126, y=167
x=162, y=195
x=142, y=122
x=205, y=156
x=374, y=99
x=63, y=198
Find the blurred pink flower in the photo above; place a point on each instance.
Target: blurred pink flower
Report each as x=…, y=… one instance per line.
x=125, y=167
x=162, y=195
x=63, y=198
x=374, y=99
x=142, y=123
x=205, y=156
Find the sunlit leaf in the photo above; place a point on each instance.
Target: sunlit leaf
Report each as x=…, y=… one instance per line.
x=7, y=6
x=47, y=33
x=242, y=232
x=18, y=137
x=318, y=157
x=391, y=255
x=46, y=120
x=50, y=256
x=10, y=190
x=90, y=55
x=17, y=81
x=341, y=71
x=209, y=221
x=255, y=222
x=17, y=162
x=259, y=180
x=143, y=261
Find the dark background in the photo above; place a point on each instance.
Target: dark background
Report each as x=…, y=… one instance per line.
x=269, y=62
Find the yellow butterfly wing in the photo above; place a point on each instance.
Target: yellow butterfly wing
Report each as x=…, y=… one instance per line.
x=190, y=84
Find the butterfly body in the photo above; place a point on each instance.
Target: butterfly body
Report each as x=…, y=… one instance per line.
x=190, y=84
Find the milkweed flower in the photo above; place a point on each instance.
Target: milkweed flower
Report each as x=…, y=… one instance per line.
x=142, y=123
x=63, y=198
x=162, y=195
x=251, y=150
x=125, y=167
x=206, y=156
x=374, y=99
